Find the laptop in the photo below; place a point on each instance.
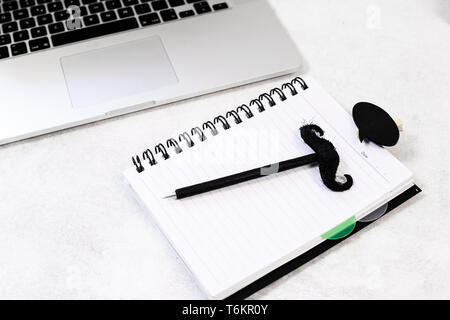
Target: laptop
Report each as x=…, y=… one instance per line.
x=70, y=62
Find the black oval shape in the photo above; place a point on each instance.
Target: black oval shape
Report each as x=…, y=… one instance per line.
x=375, y=124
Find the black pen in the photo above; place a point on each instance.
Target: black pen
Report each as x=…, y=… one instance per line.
x=242, y=177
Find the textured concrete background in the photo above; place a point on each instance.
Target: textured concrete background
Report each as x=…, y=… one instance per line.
x=70, y=229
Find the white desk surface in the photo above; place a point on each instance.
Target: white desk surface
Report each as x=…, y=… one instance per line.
x=70, y=229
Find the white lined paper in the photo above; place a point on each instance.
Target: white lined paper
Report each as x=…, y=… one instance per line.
x=230, y=236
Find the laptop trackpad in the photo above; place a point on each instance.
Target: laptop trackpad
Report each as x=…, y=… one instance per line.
x=115, y=72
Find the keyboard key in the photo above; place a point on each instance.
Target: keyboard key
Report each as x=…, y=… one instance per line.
x=83, y=11
x=10, y=27
x=176, y=3
x=142, y=8
x=108, y=16
x=44, y=19
x=91, y=20
x=27, y=23
x=5, y=17
x=202, y=7
x=69, y=3
x=61, y=15
x=96, y=8
x=128, y=3
x=10, y=6
x=55, y=6
x=95, y=31
x=86, y=2
x=125, y=12
x=56, y=27
x=187, y=13
x=168, y=15
x=21, y=14
x=38, y=32
x=38, y=10
x=4, y=53
x=220, y=6
x=27, y=3
x=159, y=5
x=39, y=44
x=5, y=39
x=43, y=1
x=113, y=4
x=21, y=36
x=19, y=48
x=149, y=19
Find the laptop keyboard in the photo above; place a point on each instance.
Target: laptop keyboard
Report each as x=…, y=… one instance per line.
x=28, y=26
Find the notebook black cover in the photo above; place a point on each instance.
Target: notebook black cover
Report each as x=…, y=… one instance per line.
x=316, y=251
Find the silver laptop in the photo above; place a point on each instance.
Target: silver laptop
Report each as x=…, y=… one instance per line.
x=69, y=62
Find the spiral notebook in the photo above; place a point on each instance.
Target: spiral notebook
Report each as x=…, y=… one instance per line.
x=230, y=238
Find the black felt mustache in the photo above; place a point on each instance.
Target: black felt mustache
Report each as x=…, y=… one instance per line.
x=327, y=157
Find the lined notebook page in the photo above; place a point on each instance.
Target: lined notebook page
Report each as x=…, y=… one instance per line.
x=230, y=237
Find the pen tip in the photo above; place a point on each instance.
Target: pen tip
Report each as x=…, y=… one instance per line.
x=171, y=196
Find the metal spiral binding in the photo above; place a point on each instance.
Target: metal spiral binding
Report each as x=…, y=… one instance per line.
x=186, y=137
x=223, y=120
x=290, y=87
x=173, y=143
x=246, y=109
x=200, y=133
x=161, y=149
x=268, y=97
x=211, y=126
x=301, y=82
x=279, y=92
x=138, y=164
x=259, y=104
x=235, y=115
x=149, y=155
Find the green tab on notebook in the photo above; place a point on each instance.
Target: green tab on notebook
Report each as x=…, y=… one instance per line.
x=342, y=230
